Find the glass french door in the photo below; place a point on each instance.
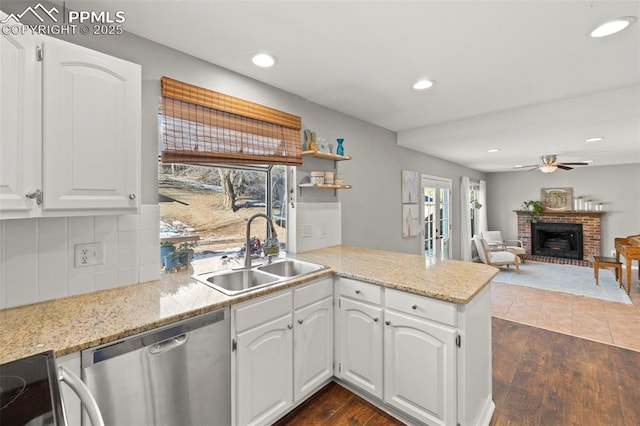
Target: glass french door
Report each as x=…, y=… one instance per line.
x=437, y=222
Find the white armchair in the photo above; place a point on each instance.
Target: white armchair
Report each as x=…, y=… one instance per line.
x=496, y=242
x=495, y=258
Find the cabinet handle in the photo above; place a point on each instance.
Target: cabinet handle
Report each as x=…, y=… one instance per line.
x=357, y=291
x=37, y=195
x=414, y=307
x=387, y=322
x=289, y=326
x=132, y=196
x=299, y=321
x=376, y=319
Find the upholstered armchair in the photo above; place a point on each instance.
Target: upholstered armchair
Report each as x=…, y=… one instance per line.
x=497, y=243
x=496, y=257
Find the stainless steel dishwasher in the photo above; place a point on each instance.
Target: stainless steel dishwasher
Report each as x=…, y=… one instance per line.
x=175, y=375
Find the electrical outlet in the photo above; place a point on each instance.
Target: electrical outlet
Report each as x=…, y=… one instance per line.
x=89, y=254
x=307, y=231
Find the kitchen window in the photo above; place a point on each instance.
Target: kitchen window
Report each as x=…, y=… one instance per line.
x=222, y=160
x=210, y=205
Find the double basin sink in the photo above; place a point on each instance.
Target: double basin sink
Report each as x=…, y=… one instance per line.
x=236, y=281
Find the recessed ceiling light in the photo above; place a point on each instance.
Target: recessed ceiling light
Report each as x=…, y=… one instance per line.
x=613, y=26
x=493, y=150
x=596, y=139
x=423, y=84
x=263, y=60
x=588, y=161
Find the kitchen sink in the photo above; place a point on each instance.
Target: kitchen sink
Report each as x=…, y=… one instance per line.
x=232, y=282
x=236, y=281
x=290, y=268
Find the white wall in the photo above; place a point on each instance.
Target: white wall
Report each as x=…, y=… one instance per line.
x=617, y=187
x=371, y=211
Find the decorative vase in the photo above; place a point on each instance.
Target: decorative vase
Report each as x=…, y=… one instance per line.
x=340, y=148
x=164, y=251
x=171, y=261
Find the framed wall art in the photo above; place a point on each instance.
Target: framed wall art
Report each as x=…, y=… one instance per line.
x=410, y=220
x=557, y=199
x=409, y=187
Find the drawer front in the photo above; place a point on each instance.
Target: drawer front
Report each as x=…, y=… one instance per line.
x=260, y=310
x=360, y=290
x=313, y=292
x=424, y=307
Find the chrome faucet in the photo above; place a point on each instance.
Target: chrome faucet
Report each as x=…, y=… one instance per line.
x=247, y=251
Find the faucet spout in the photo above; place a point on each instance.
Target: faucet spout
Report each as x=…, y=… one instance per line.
x=247, y=252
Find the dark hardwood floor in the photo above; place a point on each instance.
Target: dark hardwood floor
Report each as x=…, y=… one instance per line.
x=540, y=378
x=334, y=405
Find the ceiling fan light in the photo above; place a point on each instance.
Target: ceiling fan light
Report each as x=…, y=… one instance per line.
x=548, y=168
x=613, y=26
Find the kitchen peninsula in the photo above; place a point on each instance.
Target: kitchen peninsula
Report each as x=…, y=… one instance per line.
x=440, y=309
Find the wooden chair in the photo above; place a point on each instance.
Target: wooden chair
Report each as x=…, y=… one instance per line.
x=608, y=262
x=495, y=258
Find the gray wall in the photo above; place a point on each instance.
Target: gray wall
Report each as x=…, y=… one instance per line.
x=371, y=210
x=617, y=187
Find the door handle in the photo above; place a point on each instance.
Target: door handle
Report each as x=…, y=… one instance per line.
x=88, y=401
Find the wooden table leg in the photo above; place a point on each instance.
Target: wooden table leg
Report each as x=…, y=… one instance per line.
x=628, y=263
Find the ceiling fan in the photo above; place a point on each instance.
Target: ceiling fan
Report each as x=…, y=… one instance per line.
x=548, y=164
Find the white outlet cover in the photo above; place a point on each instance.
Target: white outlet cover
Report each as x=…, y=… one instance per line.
x=89, y=254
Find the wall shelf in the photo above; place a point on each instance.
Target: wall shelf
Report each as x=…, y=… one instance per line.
x=322, y=186
x=326, y=155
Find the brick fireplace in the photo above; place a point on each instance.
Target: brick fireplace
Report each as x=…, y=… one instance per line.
x=589, y=220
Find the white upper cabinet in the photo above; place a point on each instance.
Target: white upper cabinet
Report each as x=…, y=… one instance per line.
x=19, y=122
x=69, y=128
x=91, y=129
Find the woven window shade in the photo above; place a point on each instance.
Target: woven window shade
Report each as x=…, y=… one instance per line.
x=203, y=126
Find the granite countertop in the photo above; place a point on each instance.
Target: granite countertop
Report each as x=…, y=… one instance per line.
x=74, y=323
x=451, y=280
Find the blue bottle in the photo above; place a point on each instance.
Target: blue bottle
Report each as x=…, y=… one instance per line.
x=340, y=149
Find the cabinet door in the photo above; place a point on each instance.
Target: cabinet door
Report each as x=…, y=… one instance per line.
x=264, y=372
x=361, y=345
x=313, y=347
x=19, y=122
x=91, y=129
x=419, y=368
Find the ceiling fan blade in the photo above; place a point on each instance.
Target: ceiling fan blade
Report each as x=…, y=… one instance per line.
x=563, y=166
x=576, y=164
x=525, y=167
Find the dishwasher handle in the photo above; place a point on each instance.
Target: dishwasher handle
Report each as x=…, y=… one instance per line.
x=88, y=401
x=168, y=344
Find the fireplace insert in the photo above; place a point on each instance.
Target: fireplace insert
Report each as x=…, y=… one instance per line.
x=557, y=240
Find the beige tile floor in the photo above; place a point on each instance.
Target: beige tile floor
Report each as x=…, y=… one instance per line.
x=606, y=322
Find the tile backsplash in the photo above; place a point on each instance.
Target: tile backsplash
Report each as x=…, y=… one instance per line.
x=37, y=259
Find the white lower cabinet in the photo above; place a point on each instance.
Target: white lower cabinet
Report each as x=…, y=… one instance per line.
x=419, y=368
x=360, y=358
x=313, y=347
x=283, y=346
x=263, y=372
x=423, y=358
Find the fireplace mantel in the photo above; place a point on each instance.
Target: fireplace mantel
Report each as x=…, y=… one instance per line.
x=560, y=213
